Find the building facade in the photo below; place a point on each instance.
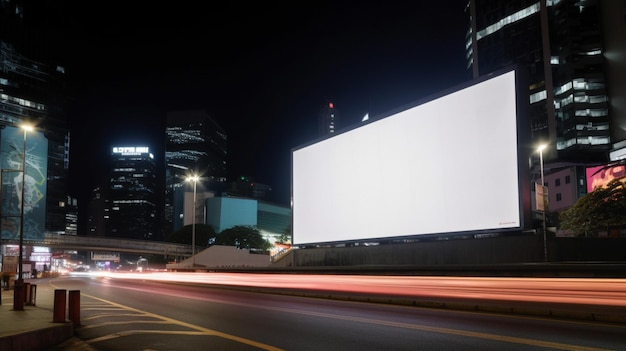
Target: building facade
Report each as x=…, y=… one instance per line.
x=272, y=221
x=561, y=45
x=98, y=212
x=246, y=187
x=33, y=90
x=328, y=118
x=132, y=197
x=570, y=52
x=195, y=145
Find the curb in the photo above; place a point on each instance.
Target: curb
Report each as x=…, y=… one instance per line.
x=38, y=339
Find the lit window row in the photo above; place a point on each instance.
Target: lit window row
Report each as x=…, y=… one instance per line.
x=589, y=140
x=23, y=102
x=538, y=96
x=592, y=113
x=590, y=126
x=517, y=16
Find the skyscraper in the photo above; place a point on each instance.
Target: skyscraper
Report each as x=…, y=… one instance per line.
x=195, y=144
x=132, y=194
x=33, y=90
x=328, y=119
x=567, y=48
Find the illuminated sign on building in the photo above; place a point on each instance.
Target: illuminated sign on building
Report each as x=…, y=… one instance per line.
x=12, y=155
x=131, y=150
x=600, y=176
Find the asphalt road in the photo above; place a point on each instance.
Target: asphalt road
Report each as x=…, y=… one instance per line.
x=135, y=314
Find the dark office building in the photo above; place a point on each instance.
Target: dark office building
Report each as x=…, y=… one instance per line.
x=247, y=187
x=71, y=227
x=328, y=118
x=568, y=48
x=132, y=194
x=33, y=90
x=98, y=212
x=195, y=145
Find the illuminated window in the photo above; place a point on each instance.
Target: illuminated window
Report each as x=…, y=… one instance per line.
x=539, y=96
x=517, y=16
x=593, y=52
x=564, y=88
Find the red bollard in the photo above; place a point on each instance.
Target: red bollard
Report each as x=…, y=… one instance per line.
x=74, y=307
x=59, y=306
x=18, y=295
x=32, y=300
x=26, y=293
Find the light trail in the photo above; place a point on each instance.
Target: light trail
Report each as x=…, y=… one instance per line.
x=586, y=291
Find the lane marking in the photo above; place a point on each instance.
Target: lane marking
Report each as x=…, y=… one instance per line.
x=137, y=332
x=478, y=335
x=124, y=322
x=200, y=330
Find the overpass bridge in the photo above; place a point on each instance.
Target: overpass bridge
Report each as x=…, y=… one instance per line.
x=108, y=244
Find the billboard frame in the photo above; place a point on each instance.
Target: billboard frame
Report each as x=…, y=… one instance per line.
x=524, y=151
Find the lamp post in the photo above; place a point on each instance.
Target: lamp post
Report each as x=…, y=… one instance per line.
x=18, y=294
x=543, y=199
x=193, y=178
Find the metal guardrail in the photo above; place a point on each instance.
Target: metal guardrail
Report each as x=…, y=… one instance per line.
x=104, y=244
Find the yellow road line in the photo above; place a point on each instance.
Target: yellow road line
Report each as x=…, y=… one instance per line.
x=510, y=339
x=124, y=322
x=201, y=330
x=478, y=335
x=135, y=332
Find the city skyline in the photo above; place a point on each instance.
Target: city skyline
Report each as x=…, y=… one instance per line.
x=262, y=78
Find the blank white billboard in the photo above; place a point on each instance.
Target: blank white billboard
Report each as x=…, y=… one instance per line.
x=449, y=165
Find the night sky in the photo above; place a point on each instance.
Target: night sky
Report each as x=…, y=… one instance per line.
x=261, y=70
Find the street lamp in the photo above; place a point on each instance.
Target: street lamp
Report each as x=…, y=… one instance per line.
x=193, y=178
x=18, y=293
x=543, y=199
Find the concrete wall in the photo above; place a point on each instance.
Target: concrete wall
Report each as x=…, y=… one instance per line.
x=484, y=251
x=222, y=256
x=503, y=250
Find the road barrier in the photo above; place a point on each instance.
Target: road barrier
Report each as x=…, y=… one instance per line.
x=31, y=294
x=74, y=307
x=60, y=303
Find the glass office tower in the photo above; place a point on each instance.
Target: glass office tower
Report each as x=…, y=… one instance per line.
x=195, y=144
x=563, y=45
x=327, y=120
x=132, y=194
x=33, y=90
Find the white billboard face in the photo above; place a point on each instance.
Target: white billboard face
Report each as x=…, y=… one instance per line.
x=446, y=166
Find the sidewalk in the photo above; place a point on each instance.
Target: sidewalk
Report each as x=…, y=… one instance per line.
x=33, y=328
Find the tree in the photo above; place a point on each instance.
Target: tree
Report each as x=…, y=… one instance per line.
x=285, y=237
x=602, y=209
x=204, y=233
x=244, y=237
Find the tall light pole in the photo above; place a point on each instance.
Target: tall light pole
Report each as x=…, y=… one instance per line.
x=18, y=294
x=543, y=199
x=193, y=178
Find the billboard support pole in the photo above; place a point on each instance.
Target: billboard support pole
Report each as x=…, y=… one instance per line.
x=543, y=199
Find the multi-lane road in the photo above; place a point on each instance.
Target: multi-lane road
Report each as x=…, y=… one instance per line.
x=162, y=311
